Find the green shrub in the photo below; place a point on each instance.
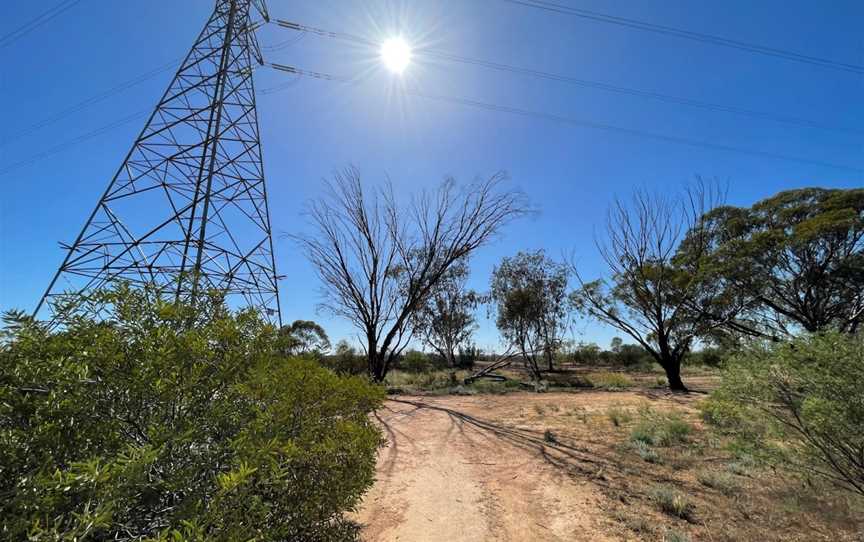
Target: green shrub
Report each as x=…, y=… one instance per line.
x=742, y=466
x=636, y=523
x=619, y=416
x=632, y=355
x=675, y=536
x=648, y=454
x=798, y=404
x=721, y=481
x=708, y=357
x=346, y=360
x=422, y=381
x=163, y=422
x=490, y=386
x=657, y=429
x=414, y=361
x=609, y=380
x=565, y=380
x=672, y=502
x=468, y=356
x=462, y=390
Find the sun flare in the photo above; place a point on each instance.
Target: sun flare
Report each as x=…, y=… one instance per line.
x=396, y=54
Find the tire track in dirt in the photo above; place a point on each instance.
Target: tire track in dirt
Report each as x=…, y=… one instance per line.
x=442, y=478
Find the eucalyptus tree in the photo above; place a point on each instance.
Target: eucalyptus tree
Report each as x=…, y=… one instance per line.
x=379, y=260
x=445, y=321
x=303, y=337
x=798, y=256
x=652, y=292
x=529, y=292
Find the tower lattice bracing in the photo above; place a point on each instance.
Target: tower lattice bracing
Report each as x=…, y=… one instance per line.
x=187, y=210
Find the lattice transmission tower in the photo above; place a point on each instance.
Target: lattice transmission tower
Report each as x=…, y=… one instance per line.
x=187, y=209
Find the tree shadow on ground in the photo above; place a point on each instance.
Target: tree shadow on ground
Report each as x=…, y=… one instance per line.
x=603, y=468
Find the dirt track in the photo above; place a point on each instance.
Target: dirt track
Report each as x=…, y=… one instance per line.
x=448, y=473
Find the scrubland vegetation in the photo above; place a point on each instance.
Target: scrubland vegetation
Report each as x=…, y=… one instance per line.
x=164, y=422
x=736, y=412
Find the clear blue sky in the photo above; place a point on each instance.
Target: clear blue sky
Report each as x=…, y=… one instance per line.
x=314, y=127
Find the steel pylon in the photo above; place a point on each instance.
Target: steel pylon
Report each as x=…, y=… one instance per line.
x=187, y=210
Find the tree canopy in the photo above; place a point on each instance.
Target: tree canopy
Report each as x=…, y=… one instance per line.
x=654, y=292
x=797, y=256
x=303, y=337
x=529, y=291
x=445, y=321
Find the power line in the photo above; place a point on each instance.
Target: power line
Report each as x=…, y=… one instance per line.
x=113, y=125
x=307, y=73
x=630, y=131
x=691, y=35
x=280, y=87
x=36, y=22
x=647, y=94
x=589, y=124
x=586, y=83
x=84, y=104
x=299, y=73
x=282, y=45
x=92, y=100
x=74, y=141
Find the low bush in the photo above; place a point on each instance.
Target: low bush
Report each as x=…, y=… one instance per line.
x=609, y=380
x=414, y=361
x=675, y=536
x=635, y=522
x=646, y=452
x=742, y=466
x=632, y=355
x=672, y=502
x=619, y=416
x=468, y=356
x=161, y=422
x=494, y=386
x=799, y=405
x=719, y=480
x=565, y=380
x=657, y=429
x=346, y=360
x=422, y=381
x=708, y=357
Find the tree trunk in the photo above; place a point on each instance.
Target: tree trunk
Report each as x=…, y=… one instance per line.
x=673, y=375
x=377, y=365
x=531, y=363
x=376, y=368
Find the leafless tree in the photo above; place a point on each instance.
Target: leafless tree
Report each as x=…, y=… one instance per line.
x=378, y=261
x=655, y=290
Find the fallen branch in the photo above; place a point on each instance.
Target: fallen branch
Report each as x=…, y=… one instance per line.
x=505, y=360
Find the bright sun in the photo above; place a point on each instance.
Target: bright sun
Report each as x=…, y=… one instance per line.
x=396, y=54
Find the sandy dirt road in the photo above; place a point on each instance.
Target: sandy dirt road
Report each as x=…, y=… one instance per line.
x=450, y=474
